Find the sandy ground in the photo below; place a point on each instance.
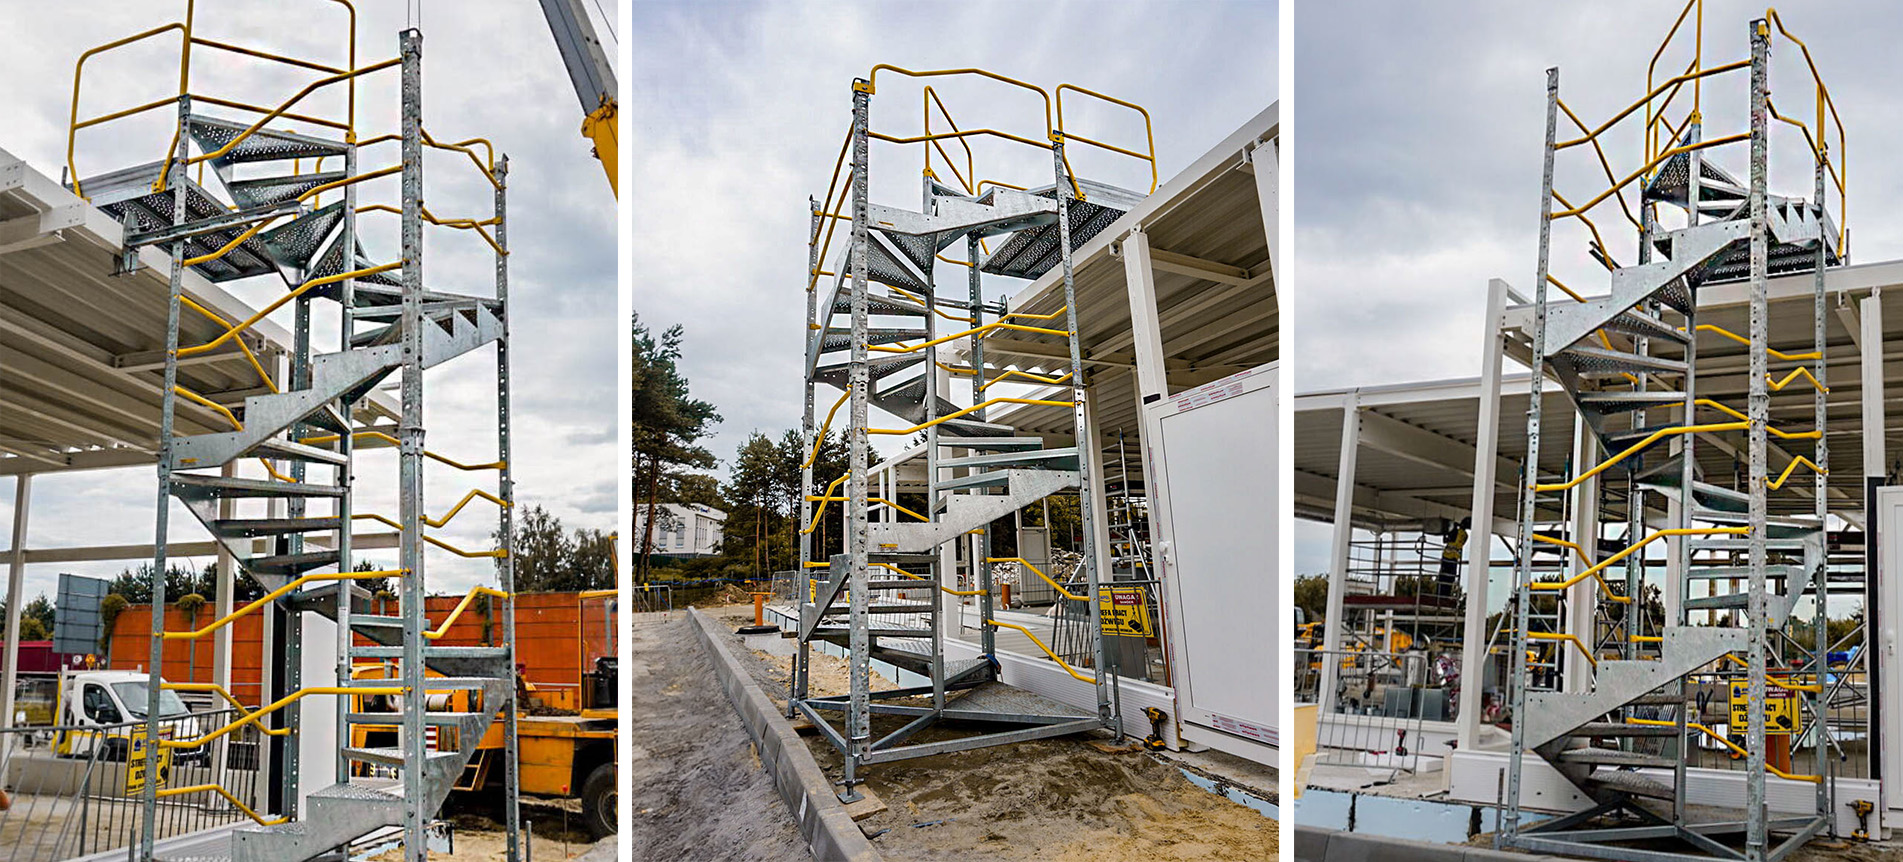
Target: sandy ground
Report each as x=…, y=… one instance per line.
x=1054, y=800
x=699, y=790
x=484, y=843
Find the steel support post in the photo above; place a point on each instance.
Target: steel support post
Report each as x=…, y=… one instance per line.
x=1820, y=574
x=410, y=456
x=981, y=545
x=947, y=562
x=1523, y=564
x=1473, y=645
x=796, y=676
x=346, y=446
x=858, y=712
x=1080, y=422
x=1678, y=583
x=298, y=507
x=1582, y=600
x=1264, y=156
x=168, y=412
x=1334, y=619
x=1759, y=410
x=505, y=522
x=1875, y=467
x=16, y=596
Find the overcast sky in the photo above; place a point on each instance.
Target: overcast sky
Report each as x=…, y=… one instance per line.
x=739, y=111
x=1417, y=161
x=490, y=69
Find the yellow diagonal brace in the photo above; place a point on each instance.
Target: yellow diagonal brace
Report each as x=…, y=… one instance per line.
x=221, y=791
x=287, y=700
x=1629, y=549
x=1040, y=573
x=276, y=594
x=1581, y=553
x=1653, y=722
x=1777, y=483
x=228, y=698
x=462, y=606
x=1047, y=650
x=1800, y=371
x=1635, y=448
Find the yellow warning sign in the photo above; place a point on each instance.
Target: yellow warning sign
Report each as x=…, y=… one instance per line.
x=1780, y=709
x=1125, y=612
x=135, y=764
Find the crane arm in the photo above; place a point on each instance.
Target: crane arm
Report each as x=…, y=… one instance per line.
x=592, y=74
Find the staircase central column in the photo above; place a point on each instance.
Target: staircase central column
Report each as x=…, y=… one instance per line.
x=410, y=463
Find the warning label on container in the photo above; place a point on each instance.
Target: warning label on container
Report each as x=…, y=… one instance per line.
x=1780, y=709
x=1125, y=612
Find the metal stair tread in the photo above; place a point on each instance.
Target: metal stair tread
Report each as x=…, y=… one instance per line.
x=396, y=718
x=393, y=756
x=431, y=651
x=250, y=527
x=1600, y=361
x=213, y=485
x=281, y=448
x=994, y=444
x=1613, y=757
x=1631, y=783
x=1066, y=455
x=212, y=133
x=1620, y=729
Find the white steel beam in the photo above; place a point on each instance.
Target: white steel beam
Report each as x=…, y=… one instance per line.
x=16, y=592
x=1473, y=647
x=1264, y=158
x=1333, y=619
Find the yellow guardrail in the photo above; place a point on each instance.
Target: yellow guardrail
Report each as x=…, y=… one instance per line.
x=1769, y=351
x=820, y=438
x=461, y=607
x=1630, y=549
x=228, y=697
x=314, y=191
x=1149, y=134
x=1581, y=553
x=913, y=576
x=1796, y=462
x=1040, y=573
x=1047, y=650
x=221, y=791
x=1779, y=433
x=1028, y=376
x=251, y=321
x=1692, y=725
x=1572, y=639
x=1800, y=371
x=274, y=595
x=379, y=435
x=257, y=716
x=497, y=553
x=1635, y=448
x=968, y=410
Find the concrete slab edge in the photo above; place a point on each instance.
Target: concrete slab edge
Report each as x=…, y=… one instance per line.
x=1331, y=845
x=808, y=794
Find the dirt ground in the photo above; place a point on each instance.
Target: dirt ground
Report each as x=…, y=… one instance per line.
x=699, y=790
x=1057, y=800
x=479, y=839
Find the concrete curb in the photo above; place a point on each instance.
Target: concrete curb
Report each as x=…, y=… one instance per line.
x=1330, y=845
x=808, y=795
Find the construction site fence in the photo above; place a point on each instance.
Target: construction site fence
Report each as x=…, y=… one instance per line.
x=73, y=790
x=1373, y=715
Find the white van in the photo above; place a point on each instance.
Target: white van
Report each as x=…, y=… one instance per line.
x=109, y=700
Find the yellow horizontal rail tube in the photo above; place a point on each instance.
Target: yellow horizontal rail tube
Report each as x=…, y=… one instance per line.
x=281, y=703
x=266, y=55
x=274, y=595
x=1780, y=433
x=310, y=88
x=461, y=607
x=1629, y=451
x=1047, y=651
x=872, y=78
x=824, y=497
x=79, y=65
x=1776, y=354
x=155, y=104
x=1685, y=148
x=1027, y=375
x=1653, y=94
x=487, y=170
x=228, y=698
x=972, y=409
x=896, y=507
x=1630, y=549
x=279, y=303
x=1148, y=133
x=1573, y=639
x=473, y=494
x=1646, y=639
x=598, y=594
x=1800, y=371
x=1777, y=483
x=968, y=133
x=820, y=438
x=264, y=223
x=221, y=791
x=1653, y=722
x=1040, y=573
x=989, y=327
x=260, y=109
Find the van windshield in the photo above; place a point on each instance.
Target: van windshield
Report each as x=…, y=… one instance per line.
x=132, y=694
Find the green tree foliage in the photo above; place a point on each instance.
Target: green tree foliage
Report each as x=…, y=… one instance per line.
x=548, y=558
x=40, y=610
x=667, y=423
x=135, y=584
x=1311, y=595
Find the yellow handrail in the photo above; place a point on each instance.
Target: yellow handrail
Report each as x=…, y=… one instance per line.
x=497, y=553
x=1047, y=650
x=1683, y=148
x=1574, y=639
x=1698, y=59
x=1148, y=134
x=473, y=494
x=1629, y=549
x=286, y=105
x=931, y=96
x=236, y=425
x=279, y=303
x=918, y=577
x=1777, y=483
x=1652, y=94
x=823, y=498
x=1027, y=375
x=264, y=223
x=1654, y=722
x=462, y=606
x=280, y=703
x=221, y=791
x=1654, y=437
x=1800, y=371
x=379, y=435
x=274, y=595
x=981, y=330
x=1040, y=573
x=820, y=438
x=244, y=348
x=1581, y=552
x=228, y=698
x=972, y=409
x=1780, y=433
x=1774, y=353
x=185, y=51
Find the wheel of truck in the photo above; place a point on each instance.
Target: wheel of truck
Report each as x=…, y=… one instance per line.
x=599, y=801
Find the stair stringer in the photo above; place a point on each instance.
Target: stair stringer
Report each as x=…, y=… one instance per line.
x=266, y=416
x=966, y=512
x=1551, y=715
x=1567, y=323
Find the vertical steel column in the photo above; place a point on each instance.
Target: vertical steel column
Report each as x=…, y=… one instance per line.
x=410, y=456
x=1759, y=410
x=859, y=707
x=981, y=545
x=1820, y=618
x=299, y=507
x=796, y=676
x=930, y=413
x=1529, y=502
x=505, y=521
x=1635, y=495
x=1473, y=647
x=347, y=447
x=1678, y=588
x=168, y=411
x=16, y=592
x=1334, y=617
x=1080, y=421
